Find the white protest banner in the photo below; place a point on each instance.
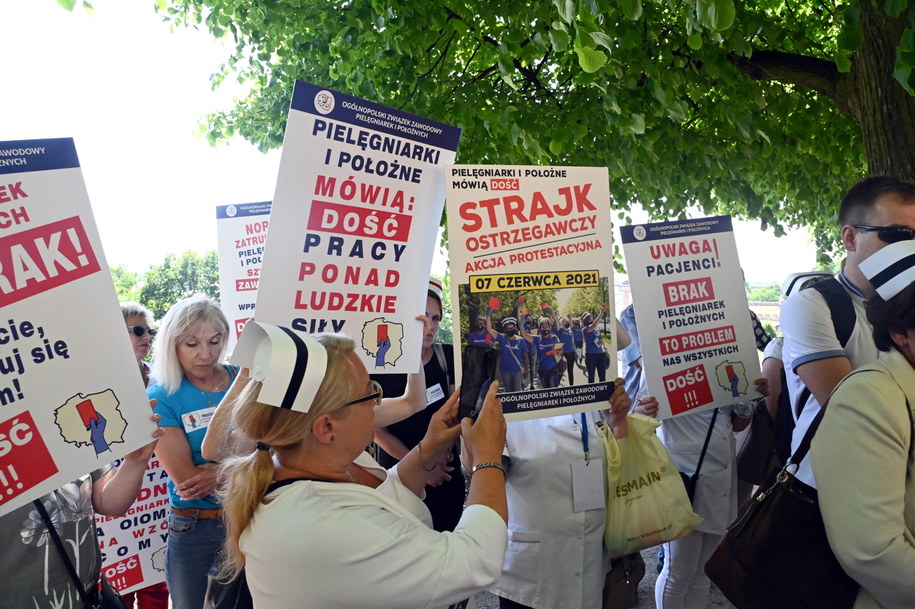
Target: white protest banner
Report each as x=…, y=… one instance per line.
x=354, y=224
x=133, y=545
x=241, y=231
x=535, y=242
x=71, y=399
x=697, y=340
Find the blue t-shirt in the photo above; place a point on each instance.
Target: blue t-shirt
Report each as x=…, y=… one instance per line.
x=545, y=347
x=577, y=334
x=593, y=342
x=513, y=350
x=568, y=342
x=189, y=409
x=479, y=338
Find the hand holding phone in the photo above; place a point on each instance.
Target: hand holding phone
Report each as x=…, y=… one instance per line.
x=475, y=382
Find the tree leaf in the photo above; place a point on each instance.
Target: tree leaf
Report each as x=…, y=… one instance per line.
x=566, y=9
x=694, y=41
x=716, y=15
x=894, y=8
x=559, y=39
x=603, y=40
x=632, y=9
x=591, y=60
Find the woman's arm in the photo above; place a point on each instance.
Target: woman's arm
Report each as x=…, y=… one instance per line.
x=623, y=339
x=221, y=440
x=615, y=415
x=392, y=410
x=484, y=440
x=390, y=443
x=426, y=462
x=772, y=371
x=115, y=492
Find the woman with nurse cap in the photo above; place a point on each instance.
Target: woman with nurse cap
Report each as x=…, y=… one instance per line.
x=862, y=453
x=313, y=519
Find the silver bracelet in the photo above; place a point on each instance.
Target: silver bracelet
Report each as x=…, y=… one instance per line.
x=480, y=466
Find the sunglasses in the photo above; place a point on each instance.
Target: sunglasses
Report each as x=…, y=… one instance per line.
x=375, y=396
x=889, y=234
x=139, y=331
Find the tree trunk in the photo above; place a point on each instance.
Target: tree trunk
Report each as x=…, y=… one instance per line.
x=884, y=111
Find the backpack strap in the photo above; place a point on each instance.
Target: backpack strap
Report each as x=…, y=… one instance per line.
x=842, y=312
x=841, y=308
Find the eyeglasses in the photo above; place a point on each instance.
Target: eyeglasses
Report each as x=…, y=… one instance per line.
x=139, y=331
x=375, y=396
x=889, y=234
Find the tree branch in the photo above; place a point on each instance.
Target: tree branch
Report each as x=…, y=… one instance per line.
x=812, y=73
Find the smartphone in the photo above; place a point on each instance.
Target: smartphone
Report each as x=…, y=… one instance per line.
x=478, y=374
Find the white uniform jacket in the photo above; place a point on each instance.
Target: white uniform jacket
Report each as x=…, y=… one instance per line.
x=865, y=470
x=556, y=557
x=325, y=544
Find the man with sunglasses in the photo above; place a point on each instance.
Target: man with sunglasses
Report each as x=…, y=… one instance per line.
x=826, y=332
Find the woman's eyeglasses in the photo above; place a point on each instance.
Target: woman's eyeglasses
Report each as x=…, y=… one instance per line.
x=889, y=234
x=375, y=396
x=139, y=331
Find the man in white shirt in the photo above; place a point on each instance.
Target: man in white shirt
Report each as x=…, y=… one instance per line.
x=875, y=212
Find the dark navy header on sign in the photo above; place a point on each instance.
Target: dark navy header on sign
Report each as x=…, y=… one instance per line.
x=19, y=156
x=345, y=108
x=243, y=210
x=636, y=233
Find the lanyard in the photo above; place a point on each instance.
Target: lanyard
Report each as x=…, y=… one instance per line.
x=584, y=437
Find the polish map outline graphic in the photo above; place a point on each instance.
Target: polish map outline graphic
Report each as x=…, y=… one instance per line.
x=92, y=419
x=383, y=340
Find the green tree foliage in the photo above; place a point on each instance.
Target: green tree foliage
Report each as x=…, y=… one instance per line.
x=180, y=277
x=445, y=330
x=762, y=109
x=126, y=283
x=769, y=293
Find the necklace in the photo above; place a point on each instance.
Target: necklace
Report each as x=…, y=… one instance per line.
x=218, y=389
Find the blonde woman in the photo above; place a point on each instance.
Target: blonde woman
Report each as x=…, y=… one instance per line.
x=311, y=517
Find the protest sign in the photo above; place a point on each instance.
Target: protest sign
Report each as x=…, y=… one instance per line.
x=534, y=243
x=67, y=406
x=354, y=224
x=241, y=231
x=133, y=545
x=697, y=341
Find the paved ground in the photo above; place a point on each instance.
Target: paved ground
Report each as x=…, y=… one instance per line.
x=484, y=600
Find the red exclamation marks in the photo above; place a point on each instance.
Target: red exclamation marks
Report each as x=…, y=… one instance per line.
x=74, y=239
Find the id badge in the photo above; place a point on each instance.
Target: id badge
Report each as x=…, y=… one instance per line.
x=199, y=419
x=434, y=394
x=588, y=485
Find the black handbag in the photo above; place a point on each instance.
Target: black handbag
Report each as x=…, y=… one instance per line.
x=776, y=553
x=108, y=598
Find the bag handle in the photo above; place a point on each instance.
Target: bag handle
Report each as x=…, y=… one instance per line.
x=708, y=436
x=52, y=532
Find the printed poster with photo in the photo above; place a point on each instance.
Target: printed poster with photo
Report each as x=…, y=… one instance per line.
x=133, y=545
x=67, y=406
x=697, y=339
x=241, y=231
x=354, y=224
x=531, y=272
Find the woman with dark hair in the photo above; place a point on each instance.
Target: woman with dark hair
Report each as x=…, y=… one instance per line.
x=445, y=496
x=862, y=451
